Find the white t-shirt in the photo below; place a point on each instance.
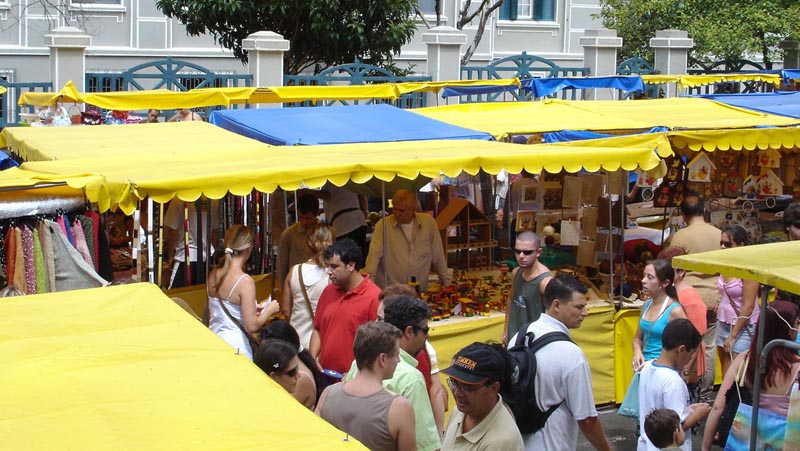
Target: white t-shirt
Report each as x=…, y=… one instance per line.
x=562, y=374
x=342, y=199
x=661, y=387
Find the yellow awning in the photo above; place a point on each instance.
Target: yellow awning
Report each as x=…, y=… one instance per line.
x=68, y=93
x=693, y=81
x=124, y=367
x=513, y=118
x=736, y=139
x=165, y=100
x=774, y=264
x=139, y=144
x=175, y=166
x=510, y=118
x=3, y=89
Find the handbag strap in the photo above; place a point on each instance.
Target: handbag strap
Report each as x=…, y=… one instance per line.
x=736, y=310
x=235, y=321
x=303, y=289
x=653, y=324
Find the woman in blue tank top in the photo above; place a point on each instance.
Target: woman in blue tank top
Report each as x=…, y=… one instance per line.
x=661, y=307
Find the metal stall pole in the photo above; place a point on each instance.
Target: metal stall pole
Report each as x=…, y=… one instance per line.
x=761, y=365
x=160, y=266
x=149, y=240
x=383, y=227
x=135, y=243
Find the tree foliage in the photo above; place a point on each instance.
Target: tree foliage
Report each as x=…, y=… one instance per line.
x=322, y=33
x=722, y=29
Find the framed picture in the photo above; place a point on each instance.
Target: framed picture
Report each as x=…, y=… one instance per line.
x=530, y=193
x=525, y=220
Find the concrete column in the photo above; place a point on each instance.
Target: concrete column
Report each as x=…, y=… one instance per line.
x=791, y=53
x=600, y=56
x=68, y=56
x=672, y=54
x=265, y=51
x=444, y=57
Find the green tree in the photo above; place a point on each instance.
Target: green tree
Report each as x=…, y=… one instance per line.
x=322, y=33
x=726, y=30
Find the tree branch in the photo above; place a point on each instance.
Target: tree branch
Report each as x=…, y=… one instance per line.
x=485, y=14
x=419, y=13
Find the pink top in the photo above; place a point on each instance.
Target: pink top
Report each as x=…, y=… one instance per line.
x=733, y=293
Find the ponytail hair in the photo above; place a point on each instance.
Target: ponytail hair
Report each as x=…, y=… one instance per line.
x=665, y=272
x=238, y=238
x=320, y=236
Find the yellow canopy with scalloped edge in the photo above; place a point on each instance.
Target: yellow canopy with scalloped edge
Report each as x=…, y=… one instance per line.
x=774, y=264
x=124, y=367
x=125, y=167
x=692, y=81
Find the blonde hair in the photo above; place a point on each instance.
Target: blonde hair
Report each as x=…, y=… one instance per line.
x=238, y=238
x=320, y=236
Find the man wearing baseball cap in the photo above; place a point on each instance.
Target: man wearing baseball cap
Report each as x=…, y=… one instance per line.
x=482, y=421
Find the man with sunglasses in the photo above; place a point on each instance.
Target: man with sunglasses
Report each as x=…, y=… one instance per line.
x=410, y=315
x=482, y=421
x=528, y=282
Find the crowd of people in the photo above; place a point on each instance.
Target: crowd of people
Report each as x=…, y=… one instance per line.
x=353, y=346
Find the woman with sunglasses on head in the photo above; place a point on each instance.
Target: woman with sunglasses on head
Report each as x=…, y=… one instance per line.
x=737, y=313
x=278, y=360
x=782, y=366
x=310, y=381
x=661, y=307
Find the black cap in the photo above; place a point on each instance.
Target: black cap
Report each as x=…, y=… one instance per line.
x=475, y=364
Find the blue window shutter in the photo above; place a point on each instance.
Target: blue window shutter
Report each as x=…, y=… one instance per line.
x=544, y=10
x=509, y=10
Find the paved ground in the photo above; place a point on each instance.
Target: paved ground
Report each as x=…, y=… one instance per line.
x=621, y=432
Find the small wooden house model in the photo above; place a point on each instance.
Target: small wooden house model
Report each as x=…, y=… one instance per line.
x=769, y=158
x=769, y=184
x=700, y=168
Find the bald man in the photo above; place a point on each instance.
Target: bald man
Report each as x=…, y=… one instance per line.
x=413, y=246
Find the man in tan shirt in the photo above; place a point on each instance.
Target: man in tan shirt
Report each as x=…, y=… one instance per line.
x=699, y=236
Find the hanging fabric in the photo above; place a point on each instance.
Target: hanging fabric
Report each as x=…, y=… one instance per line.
x=79, y=240
x=10, y=254
x=39, y=265
x=27, y=255
x=71, y=270
x=19, y=261
x=47, y=250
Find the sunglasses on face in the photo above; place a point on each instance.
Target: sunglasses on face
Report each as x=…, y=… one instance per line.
x=725, y=243
x=424, y=330
x=290, y=373
x=524, y=251
x=465, y=388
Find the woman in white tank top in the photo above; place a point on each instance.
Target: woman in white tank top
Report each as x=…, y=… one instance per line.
x=232, y=303
x=297, y=305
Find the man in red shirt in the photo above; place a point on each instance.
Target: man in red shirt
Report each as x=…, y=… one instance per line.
x=348, y=302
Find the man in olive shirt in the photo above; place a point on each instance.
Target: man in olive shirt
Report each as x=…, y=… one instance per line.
x=528, y=282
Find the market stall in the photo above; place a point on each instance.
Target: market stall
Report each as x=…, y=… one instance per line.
x=126, y=368
x=772, y=265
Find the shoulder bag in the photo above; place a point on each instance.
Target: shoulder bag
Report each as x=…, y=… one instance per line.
x=736, y=394
x=303, y=289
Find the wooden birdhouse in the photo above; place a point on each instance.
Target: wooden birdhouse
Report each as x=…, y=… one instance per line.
x=769, y=158
x=769, y=184
x=700, y=168
x=750, y=187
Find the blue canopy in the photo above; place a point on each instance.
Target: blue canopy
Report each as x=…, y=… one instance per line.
x=784, y=103
x=6, y=162
x=338, y=125
x=545, y=86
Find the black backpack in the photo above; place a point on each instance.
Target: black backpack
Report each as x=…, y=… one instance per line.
x=521, y=395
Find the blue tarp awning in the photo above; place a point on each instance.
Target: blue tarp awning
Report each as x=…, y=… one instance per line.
x=545, y=86
x=785, y=103
x=6, y=162
x=338, y=125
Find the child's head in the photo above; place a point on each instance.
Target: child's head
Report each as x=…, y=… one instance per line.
x=681, y=337
x=663, y=428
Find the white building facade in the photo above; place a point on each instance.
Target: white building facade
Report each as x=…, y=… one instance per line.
x=126, y=33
